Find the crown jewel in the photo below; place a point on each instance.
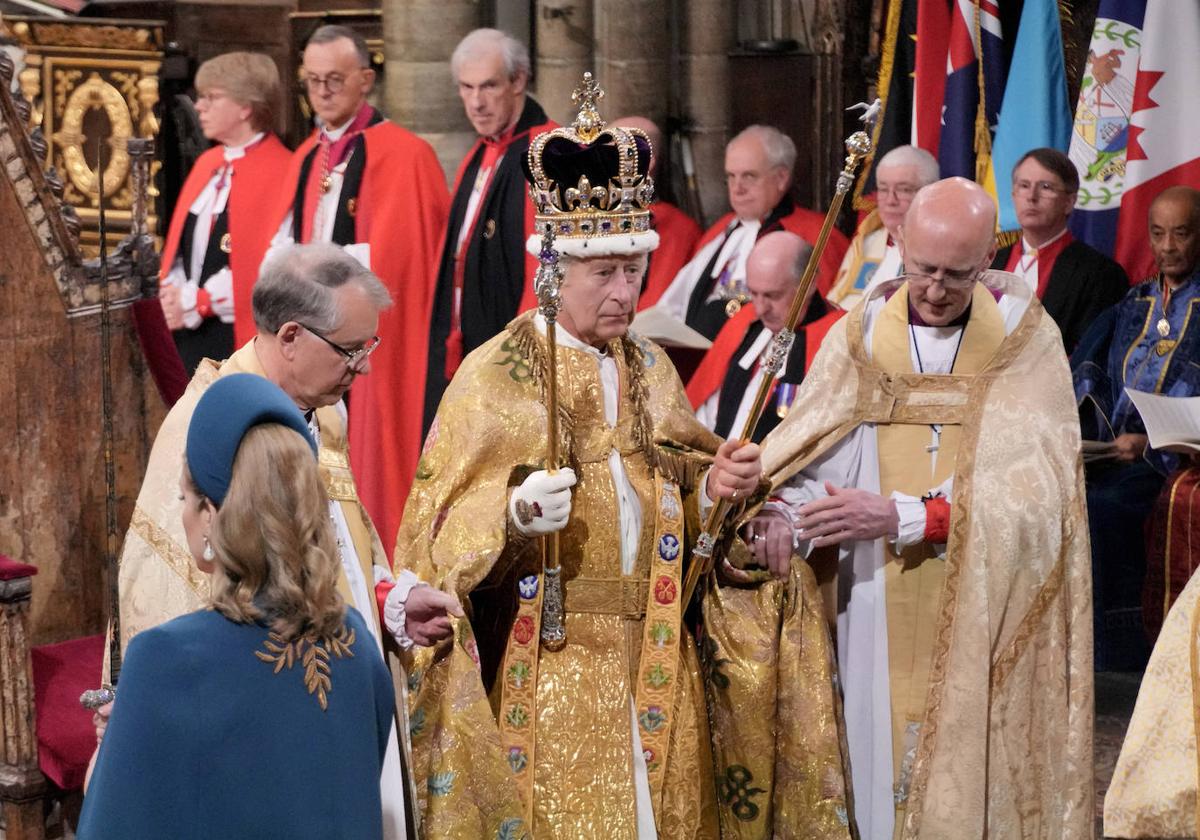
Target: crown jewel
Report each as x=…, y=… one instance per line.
x=589, y=180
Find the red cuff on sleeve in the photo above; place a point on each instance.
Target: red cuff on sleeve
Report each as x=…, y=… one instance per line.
x=204, y=303
x=382, y=589
x=937, y=519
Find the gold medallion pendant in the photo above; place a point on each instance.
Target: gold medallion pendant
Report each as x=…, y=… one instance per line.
x=226, y=243
x=1165, y=346
x=732, y=307
x=1164, y=327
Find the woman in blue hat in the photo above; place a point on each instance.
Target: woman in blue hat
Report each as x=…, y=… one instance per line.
x=268, y=714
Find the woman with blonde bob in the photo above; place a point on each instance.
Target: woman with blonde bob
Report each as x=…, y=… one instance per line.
x=219, y=233
x=268, y=714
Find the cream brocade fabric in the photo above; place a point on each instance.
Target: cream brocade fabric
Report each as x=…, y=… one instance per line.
x=1005, y=748
x=158, y=578
x=1153, y=790
x=489, y=432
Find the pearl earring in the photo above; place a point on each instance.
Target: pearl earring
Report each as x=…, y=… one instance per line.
x=208, y=554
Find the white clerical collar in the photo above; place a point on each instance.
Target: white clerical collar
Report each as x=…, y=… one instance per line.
x=1027, y=248
x=336, y=133
x=235, y=152
x=563, y=338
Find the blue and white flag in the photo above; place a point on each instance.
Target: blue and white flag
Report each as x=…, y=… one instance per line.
x=1101, y=130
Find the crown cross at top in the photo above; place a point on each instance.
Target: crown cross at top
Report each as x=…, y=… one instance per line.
x=587, y=122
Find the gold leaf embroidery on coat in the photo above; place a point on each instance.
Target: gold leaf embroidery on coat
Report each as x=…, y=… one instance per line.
x=311, y=652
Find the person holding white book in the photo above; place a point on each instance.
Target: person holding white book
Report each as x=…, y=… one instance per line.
x=1146, y=343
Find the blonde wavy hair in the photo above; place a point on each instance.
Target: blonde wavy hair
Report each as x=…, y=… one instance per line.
x=276, y=554
x=249, y=79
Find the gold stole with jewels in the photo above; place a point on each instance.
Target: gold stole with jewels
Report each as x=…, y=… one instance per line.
x=658, y=668
x=907, y=464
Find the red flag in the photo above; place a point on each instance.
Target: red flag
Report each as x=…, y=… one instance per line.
x=929, y=73
x=1164, y=130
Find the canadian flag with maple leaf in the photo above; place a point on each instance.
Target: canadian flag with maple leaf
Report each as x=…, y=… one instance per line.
x=1164, y=129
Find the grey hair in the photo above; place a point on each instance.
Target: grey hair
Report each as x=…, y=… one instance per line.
x=778, y=147
x=925, y=163
x=482, y=42
x=298, y=282
x=331, y=32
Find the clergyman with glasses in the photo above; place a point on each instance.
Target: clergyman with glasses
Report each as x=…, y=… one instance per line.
x=874, y=253
x=1074, y=281
x=365, y=183
x=934, y=446
x=317, y=311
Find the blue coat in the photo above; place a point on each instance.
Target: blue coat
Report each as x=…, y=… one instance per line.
x=1119, y=351
x=206, y=740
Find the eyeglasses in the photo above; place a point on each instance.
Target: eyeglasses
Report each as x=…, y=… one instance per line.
x=903, y=192
x=950, y=279
x=1035, y=187
x=333, y=83
x=355, y=359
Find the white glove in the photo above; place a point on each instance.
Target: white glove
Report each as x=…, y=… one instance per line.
x=542, y=504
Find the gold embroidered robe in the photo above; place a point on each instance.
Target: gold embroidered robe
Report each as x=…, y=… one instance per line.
x=1153, y=789
x=158, y=578
x=1005, y=737
x=568, y=743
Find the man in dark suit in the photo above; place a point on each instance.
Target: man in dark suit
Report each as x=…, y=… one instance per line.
x=1074, y=281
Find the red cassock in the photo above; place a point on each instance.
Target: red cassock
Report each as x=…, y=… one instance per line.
x=710, y=375
x=402, y=206
x=678, y=234
x=254, y=175
x=807, y=225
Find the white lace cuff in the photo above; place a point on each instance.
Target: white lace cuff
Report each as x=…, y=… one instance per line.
x=187, y=302
x=394, y=616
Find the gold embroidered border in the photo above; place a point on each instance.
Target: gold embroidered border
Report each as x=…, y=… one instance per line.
x=607, y=596
x=957, y=554
x=178, y=559
x=658, y=670
x=518, y=689
x=1047, y=595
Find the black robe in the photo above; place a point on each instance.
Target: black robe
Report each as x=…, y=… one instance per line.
x=494, y=274
x=1083, y=283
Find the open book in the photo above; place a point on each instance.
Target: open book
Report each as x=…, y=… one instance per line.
x=1172, y=423
x=661, y=327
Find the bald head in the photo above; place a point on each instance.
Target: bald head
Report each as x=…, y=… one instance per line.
x=1175, y=233
x=954, y=208
x=949, y=235
x=652, y=131
x=773, y=271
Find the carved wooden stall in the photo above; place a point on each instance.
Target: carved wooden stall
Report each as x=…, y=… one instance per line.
x=52, y=477
x=87, y=77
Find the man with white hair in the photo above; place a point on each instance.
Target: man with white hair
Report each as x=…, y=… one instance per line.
x=711, y=288
x=484, y=277
x=874, y=254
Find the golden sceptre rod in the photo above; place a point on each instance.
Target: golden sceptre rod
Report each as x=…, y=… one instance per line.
x=858, y=146
x=546, y=284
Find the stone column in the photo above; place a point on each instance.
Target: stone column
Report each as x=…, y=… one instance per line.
x=704, y=70
x=419, y=92
x=22, y=785
x=633, y=48
x=563, y=35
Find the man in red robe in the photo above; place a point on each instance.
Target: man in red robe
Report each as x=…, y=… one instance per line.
x=678, y=232
x=711, y=288
x=485, y=276
x=378, y=190
x=722, y=389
